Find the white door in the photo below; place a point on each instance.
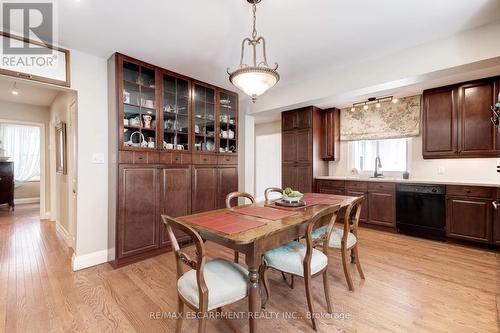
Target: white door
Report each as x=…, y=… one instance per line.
x=72, y=170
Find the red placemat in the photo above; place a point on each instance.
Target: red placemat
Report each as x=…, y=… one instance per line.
x=264, y=212
x=225, y=222
x=312, y=199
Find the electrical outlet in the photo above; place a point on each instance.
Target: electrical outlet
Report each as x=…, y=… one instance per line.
x=98, y=158
x=441, y=170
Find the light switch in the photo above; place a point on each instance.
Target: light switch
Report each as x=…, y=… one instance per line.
x=441, y=170
x=98, y=158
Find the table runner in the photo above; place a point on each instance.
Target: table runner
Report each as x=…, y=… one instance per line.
x=264, y=212
x=225, y=222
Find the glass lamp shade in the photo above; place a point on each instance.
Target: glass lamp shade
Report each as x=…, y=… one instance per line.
x=254, y=81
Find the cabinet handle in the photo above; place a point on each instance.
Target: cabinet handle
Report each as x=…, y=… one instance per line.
x=140, y=157
x=205, y=159
x=495, y=205
x=228, y=159
x=0, y=179
x=468, y=191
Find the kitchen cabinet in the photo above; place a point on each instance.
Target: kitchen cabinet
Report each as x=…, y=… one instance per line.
x=176, y=130
x=204, y=189
x=469, y=218
x=175, y=196
x=456, y=120
x=227, y=182
x=330, y=148
x=382, y=203
x=138, y=213
x=363, y=216
x=496, y=219
x=7, y=183
x=301, y=148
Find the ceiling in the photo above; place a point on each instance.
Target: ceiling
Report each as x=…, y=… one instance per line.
x=202, y=38
x=29, y=92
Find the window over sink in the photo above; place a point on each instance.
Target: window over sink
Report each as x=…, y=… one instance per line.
x=393, y=154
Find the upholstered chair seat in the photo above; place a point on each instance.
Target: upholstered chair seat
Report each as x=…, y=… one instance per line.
x=336, y=237
x=227, y=282
x=289, y=258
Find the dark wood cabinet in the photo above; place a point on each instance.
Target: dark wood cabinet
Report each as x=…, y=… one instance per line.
x=330, y=148
x=175, y=195
x=469, y=218
x=382, y=208
x=439, y=123
x=496, y=219
x=7, y=183
x=456, y=120
x=204, y=189
x=137, y=213
x=301, y=148
x=173, y=150
x=227, y=182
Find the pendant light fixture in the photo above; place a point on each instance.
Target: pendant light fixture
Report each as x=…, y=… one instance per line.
x=258, y=77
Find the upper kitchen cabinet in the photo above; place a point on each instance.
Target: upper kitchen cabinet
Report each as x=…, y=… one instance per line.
x=204, y=118
x=302, y=148
x=330, y=123
x=456, y=120
x=227, y=103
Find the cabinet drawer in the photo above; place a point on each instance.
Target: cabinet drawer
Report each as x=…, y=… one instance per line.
x=471, y=191
x=232, y=160
x=175, y=158
x=139, y=157
x=355, y=185
x=327, y=184
x=336, y=191
x=381, y=187
x=204, y=159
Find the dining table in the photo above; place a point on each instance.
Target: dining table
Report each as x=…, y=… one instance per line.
x=270, y=231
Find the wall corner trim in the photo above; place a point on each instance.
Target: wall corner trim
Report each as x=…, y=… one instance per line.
x=89, y=260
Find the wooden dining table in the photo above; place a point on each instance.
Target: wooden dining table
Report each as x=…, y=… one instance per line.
x=254, y=242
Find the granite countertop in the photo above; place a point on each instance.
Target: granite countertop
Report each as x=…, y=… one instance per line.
x=409, y=181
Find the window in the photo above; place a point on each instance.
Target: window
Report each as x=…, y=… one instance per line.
x=22, y=145
x=392, y=153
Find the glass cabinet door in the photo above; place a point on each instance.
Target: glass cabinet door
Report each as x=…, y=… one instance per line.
x=228, y=122
x=204, y=118
x=139, y=106
x=176, y=122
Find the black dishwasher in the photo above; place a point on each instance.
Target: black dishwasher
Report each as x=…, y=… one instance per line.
x=421, y=210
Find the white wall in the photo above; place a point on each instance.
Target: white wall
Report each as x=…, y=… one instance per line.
x=474, y=170
x=267, y=157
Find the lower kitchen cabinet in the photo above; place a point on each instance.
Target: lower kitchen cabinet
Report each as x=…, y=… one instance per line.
x=175, y=197
x=211, y=185
x=227, y=182
x=469, y=219
x=496, y=223
x=137, y=230
x=382, y=208
x=298, y=177
x=204, y=188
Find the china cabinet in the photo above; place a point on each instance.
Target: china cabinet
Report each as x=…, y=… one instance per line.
x=173, y=150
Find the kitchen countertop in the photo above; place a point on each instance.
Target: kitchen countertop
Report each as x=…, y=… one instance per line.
x=408, y=181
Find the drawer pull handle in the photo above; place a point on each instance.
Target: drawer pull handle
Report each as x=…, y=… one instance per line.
x=205, y=159
x=494, y=203
x=228, y=159
x=468, y=191
x=141, y=157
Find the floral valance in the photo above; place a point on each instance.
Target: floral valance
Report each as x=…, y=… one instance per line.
x=391, y=120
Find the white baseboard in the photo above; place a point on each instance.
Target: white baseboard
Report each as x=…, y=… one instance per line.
x=66, y=235
x=21, y=201
x=89, y=260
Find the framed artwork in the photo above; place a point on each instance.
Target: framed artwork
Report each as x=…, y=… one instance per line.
x=61, y=158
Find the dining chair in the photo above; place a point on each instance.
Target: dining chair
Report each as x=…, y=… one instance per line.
x=270, y=190
x=230, y=197
x=346, y=238
x=207, y=285
x=303, y=260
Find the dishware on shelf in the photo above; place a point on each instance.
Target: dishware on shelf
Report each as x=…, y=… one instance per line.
x=180, y=147
x=126, y=97
x=147, y=103
x=223, y=118
x=210, y=133
x=142, y=141
x=134, y=121
x=151, y=142
x=197, y=146
x=196, y=129
x=125, y=121
x=232, y=149
x=169, y=145
x=225, y=102
x=210, y=145
x=223, y=134
x=146, y=120
x=222, y=150
x=230, y=134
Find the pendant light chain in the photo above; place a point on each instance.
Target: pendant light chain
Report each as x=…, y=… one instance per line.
x=254, y=10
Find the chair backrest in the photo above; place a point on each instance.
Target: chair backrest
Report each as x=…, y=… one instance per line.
x=329, y=213
x=351, y=219
x=270, y=190
x=233, y=195
x=183, y=258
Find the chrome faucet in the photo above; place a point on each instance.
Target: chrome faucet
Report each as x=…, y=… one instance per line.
x=378, y=164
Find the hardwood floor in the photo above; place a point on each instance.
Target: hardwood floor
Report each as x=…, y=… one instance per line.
x=412, y=285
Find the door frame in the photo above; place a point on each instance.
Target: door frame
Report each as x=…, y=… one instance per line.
x=44, y=213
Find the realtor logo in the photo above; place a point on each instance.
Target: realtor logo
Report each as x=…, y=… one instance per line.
x=34, y=21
